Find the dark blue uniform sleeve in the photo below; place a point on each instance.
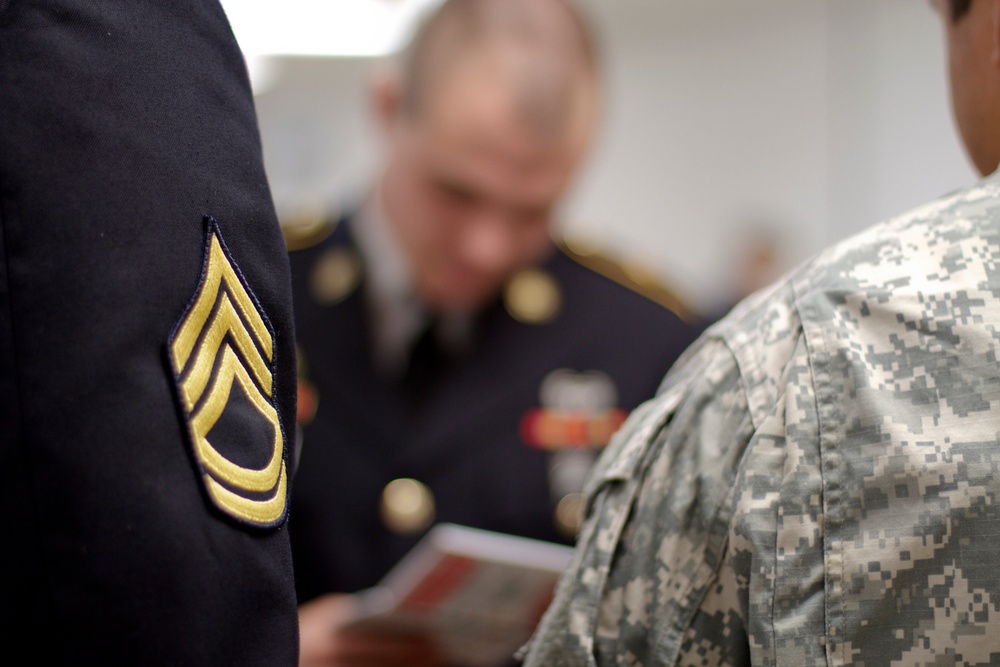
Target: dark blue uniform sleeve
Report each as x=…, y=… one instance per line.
x=147, y=375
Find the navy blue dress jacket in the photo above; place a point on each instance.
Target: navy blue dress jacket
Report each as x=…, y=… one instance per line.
x=147, y=361
x=464, y=437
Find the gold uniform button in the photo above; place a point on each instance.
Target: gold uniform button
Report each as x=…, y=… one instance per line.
x=306, y=231
x=407, y=506
x=532, y=297
x=335, y=276
x=569, y=514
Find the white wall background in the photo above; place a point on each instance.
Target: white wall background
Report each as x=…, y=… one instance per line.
x=813, y=117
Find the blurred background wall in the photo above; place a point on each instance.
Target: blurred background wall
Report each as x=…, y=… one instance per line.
x=799, y=121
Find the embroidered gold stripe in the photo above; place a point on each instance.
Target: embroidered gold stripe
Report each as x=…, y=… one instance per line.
x=262, y=512
x=205, y=418
x=225, y=321
x=219, y=270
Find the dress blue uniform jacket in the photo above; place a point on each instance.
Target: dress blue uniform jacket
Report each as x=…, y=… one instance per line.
x=126, y=128
x=461, y=437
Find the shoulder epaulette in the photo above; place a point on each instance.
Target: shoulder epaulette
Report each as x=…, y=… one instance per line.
x=305, y=232
x=632, y=276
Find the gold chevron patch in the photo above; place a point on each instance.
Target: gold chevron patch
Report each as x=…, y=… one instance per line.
x=222, y=354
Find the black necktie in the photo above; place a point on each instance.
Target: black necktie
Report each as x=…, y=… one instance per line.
x=426, y=361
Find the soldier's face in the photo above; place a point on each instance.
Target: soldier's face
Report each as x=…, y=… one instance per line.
x=472, y=193
x=974, y=73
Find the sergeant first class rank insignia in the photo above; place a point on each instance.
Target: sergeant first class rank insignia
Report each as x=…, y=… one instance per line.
x=222, y=355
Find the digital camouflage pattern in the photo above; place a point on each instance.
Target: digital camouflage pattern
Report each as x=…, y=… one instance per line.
x=816, y=482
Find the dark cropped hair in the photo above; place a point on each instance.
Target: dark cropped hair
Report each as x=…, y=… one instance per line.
x=958, y=8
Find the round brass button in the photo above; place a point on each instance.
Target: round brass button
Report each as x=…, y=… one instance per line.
x=569, y=514
x=407, y=506
x=532, y=297
x=335, y=276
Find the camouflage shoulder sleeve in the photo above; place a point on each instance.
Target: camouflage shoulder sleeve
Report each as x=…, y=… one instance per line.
x=661, y=501
x=902, y=325
x=816, y=484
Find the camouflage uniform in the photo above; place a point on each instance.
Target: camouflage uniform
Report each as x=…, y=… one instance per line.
x=816, y=482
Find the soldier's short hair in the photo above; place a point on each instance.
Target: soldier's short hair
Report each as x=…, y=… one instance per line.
x=456, y=26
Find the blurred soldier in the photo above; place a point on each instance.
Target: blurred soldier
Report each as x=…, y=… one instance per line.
x=467, y=368
x=817, y=484
x=147, y=375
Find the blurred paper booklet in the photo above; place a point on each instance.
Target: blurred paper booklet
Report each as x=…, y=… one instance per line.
x=478, y=593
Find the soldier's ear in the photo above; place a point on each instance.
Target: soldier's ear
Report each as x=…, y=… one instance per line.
x=386, y=92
